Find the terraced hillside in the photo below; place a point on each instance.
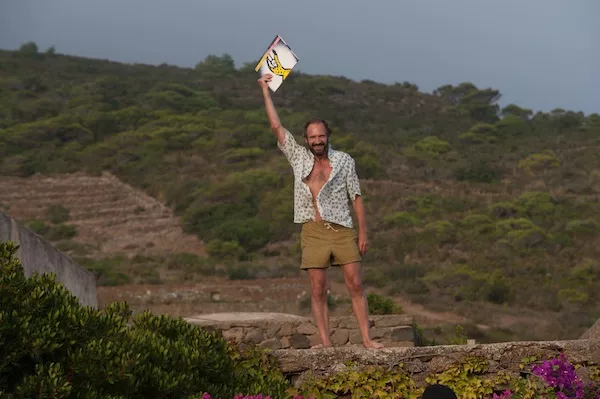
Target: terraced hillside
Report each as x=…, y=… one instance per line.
x=110, y=218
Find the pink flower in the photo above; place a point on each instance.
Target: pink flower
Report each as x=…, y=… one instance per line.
x=504, y=395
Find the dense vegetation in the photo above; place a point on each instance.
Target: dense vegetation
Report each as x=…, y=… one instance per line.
x=468, y=203
x=52, y=347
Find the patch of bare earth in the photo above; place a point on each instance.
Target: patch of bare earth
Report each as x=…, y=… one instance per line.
x=110, y=216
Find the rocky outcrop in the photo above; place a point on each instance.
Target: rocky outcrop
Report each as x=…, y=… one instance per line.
x=593, y=332
x=422, y=361
x=281, y=331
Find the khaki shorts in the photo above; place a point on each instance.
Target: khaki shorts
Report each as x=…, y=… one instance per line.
x=324, y=244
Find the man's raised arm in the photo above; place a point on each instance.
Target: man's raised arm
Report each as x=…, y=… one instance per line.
x=270, y=108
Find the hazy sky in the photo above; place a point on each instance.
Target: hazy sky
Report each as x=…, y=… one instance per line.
x=540, y=54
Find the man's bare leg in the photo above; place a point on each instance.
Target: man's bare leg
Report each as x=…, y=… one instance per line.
x=318, y=282
x=359, y=303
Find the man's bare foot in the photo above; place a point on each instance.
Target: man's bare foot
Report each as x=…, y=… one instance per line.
x=320, y=346
x=373, y=345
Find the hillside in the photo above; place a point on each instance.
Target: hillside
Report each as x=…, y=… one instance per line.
x=484, y=211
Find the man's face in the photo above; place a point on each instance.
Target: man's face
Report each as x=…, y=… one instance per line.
x=316, y=139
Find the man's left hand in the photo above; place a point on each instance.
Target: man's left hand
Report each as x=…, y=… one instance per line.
x=363, y=243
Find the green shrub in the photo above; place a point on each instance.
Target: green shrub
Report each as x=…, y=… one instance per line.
x=433, y=145
x=224, y=250
x=441, y=230
x=53, y=232
x=51, y=344
x=504, y=209
x=536, y=204
x=540, y=162
x=513, y=126
x=402, y=219
x=582, y=227
x=37, y=226
x=478, y=172
x=519, y=233
x=380, y=305
x=58, y=214
x=60, y=232
x=477, y=224
x=472, y=138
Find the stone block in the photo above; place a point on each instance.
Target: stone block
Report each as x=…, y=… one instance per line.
x=286, y=329
x=299, y=341
x=271, y=343
x=314, y=340
x=377, y=333
x=349, y=322
x=402, y=334
x=285, y=343
x=254, y=336
x=234, y=334
x=339, y=337
x=272, y=330
x=354, y=337
x=306, y=329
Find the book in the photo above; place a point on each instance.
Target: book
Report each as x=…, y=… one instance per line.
x=278, y=60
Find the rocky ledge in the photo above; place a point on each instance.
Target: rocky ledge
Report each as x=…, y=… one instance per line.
x=422, y=361
x=282, y=331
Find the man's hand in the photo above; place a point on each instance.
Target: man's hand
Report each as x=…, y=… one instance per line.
x=363, y=243
x=263, y=80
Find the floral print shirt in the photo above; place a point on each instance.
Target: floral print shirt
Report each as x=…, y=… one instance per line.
x=332, y=200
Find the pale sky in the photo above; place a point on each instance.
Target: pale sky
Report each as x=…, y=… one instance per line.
x=540, y=54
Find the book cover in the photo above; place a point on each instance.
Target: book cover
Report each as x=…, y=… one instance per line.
x=278, y=60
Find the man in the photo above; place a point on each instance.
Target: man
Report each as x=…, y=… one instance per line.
x=324, y=179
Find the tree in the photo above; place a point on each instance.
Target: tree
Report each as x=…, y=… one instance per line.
x=515, y=110
x=480, y=104
x=454, y=94
x=214, y=65
x=29, y=49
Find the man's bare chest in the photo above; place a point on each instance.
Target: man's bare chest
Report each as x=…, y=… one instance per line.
x=319, y=175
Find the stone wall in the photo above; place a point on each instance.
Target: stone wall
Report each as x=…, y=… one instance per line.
x=422, y=361
x=38, y=255
x=281, y=331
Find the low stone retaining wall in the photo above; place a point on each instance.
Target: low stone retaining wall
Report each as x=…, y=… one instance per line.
x=281, y=331
x=422, y=361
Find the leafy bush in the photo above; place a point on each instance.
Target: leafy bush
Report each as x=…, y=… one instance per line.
x=540, y=162
x=478, y=172
x=402, y=219
x=520, y=233
x=441, y=230
x=51, y=344
x=433, y=145
x=379, y=305
x=58, y=214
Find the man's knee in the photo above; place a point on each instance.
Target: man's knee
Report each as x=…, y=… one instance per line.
x=319, y=290
x=353, y=278
x=355, y=286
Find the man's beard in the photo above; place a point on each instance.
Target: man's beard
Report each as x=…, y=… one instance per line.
x=319, y=149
